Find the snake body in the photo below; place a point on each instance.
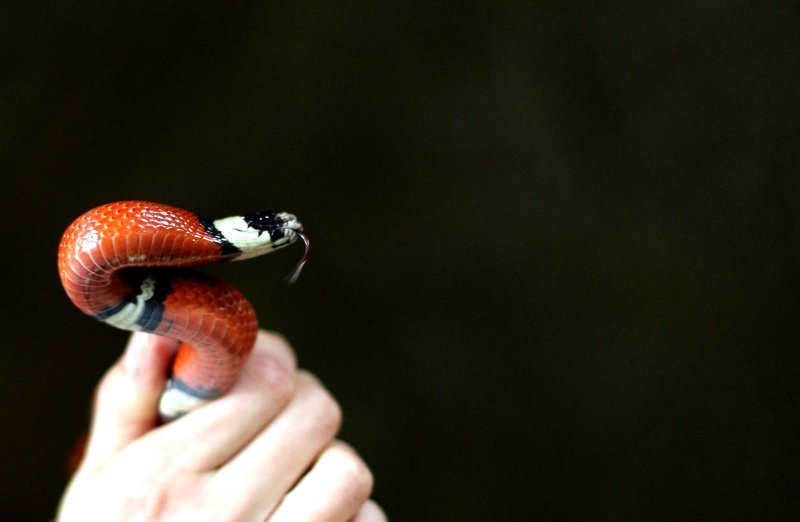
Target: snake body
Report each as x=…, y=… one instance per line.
x=125, y=264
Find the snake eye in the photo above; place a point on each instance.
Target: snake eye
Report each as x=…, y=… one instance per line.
x=264, y=221
x=270, y=222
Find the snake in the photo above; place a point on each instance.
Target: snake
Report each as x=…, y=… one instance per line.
x=127, y=264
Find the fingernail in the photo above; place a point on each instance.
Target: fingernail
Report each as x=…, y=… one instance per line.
x=137, y=353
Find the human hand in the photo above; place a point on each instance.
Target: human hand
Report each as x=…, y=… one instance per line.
x=263, y=451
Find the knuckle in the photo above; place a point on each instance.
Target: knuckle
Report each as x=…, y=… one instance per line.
x=282, y=386
x=323, y=408
x=266, y=384
x=279, y=345
x=329, y=413
x=279, y=379
x=355, y=478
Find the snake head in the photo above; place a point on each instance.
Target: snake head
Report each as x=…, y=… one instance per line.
x=258, y=233
x=274, y=223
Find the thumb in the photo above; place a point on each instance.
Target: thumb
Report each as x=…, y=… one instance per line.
x=126, y=402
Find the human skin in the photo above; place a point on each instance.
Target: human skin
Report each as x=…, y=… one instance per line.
x=266, y=450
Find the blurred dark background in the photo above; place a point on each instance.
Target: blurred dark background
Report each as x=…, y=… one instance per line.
x=556, y=245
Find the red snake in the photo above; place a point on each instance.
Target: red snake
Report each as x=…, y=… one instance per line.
x=123, y=264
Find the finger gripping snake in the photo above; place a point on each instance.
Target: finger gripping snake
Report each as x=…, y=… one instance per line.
x=125, y=264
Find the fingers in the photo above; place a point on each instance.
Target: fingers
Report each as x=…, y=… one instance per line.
x=126, y=400
x=239, y=454
x=273, y=461
x=335, y=489
x=209, y=436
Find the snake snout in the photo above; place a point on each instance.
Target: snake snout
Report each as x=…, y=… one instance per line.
x=291, y=222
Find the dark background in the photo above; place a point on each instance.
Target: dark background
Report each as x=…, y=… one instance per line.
x=556, y=245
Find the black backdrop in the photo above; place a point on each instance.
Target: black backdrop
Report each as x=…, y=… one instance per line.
x=556, y=247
